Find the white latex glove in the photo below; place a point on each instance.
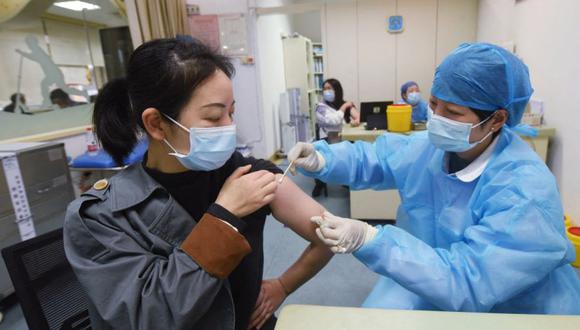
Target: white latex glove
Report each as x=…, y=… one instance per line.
x=305, y=156
x=343, y=235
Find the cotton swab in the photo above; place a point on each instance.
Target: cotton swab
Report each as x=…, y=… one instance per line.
x=285, y=172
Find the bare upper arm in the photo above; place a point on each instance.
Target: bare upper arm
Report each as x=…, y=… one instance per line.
x=294, y=208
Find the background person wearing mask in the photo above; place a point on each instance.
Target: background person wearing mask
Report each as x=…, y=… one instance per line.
x=483, y=227
x=331, y=113
x=176, y=242
x=411, y=95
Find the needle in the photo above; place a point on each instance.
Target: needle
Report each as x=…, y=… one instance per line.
x=285, y=172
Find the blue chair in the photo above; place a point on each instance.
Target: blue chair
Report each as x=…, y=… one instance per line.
x=102, y=160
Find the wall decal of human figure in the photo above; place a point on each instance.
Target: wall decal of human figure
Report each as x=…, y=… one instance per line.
x=52, y=73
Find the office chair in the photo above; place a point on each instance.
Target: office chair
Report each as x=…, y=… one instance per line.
x=49, y=293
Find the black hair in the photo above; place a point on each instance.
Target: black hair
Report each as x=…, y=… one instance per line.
x=161, y=74
x=483, y=115
x=59, y=94
x=338, y=93
x=13, y=97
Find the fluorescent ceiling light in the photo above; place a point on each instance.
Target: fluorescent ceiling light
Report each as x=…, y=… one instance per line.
x=76, y=5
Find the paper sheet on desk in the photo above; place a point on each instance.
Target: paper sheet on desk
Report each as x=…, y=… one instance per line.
x=18, y=195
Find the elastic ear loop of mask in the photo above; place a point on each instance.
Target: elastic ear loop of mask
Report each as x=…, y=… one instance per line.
x=481, y=123
x=178, y=124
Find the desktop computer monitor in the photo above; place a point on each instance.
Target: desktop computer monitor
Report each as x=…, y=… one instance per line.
x=373, y=108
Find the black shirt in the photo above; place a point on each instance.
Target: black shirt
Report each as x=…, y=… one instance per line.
x=457, y=163
x=196, y=191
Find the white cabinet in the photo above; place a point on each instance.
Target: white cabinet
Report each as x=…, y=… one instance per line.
x=299, y=72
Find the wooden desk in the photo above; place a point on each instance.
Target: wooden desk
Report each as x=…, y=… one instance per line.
x=383, y=205
x=305, y=317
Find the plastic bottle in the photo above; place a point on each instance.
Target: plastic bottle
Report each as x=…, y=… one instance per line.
x=92, y=147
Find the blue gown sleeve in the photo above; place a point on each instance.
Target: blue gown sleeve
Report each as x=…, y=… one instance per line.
x=517, y=241
x=419, y=113
x=363, y=165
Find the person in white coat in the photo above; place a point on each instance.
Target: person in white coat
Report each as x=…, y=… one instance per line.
x=331, y=113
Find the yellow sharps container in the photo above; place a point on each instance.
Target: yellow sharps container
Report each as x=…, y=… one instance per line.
x=573, y=234
x=399, y=118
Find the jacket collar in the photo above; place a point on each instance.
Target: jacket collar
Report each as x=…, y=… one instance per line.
x=132, y=186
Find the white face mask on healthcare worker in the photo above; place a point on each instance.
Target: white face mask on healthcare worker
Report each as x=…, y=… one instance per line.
x=413, y=98
x=451, y=135
x=328, y=95
x=209, y=148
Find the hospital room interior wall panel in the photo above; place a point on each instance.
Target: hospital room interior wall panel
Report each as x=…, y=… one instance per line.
x=456, y=24
x=339, y=34
x=552, y=52
x=256, y=87
x=495, y=21
x=376, y=61
x=415, y=46
x=271, y=71
x=383, y=61
x=551, y=55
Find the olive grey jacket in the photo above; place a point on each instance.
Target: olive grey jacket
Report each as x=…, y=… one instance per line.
x=145, y=263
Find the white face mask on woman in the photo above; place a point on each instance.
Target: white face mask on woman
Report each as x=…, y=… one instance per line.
x=328, y=95
x=209, y=148
x=451, y=135
x=413, y=98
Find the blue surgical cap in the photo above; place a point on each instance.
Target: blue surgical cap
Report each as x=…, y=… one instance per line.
x=486, y=77
x=406, y=86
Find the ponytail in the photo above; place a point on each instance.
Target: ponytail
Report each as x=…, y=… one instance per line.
x=161, y=74
x=113, y=120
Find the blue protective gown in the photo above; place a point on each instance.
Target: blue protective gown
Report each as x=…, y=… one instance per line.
x=495, y=244
x=419, y=112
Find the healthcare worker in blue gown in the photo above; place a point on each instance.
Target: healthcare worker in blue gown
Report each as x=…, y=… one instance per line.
x=481, y=227
x=411, y=94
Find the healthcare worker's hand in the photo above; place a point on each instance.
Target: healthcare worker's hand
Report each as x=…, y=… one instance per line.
x=343, y=235
x=272, y=294
x=305, y=156
x=243, y=194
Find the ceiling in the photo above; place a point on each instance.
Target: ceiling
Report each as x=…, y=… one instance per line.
x=107, y=16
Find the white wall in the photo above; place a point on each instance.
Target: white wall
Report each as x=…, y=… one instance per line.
x=545, y=34
x=496, y=21
x=308, y=24
x=371, y=63
x=68, y=46
x=271, y=65
x=257, y=87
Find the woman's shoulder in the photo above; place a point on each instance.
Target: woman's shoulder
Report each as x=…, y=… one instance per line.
x=91, y=204
x=110, y=195
x=515, y=164
x=257, y=164
x=322, y=106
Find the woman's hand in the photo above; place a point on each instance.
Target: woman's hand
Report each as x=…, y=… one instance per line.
x=346, y=106
x=354, y=116
x=243, y=194
x=272, y=294
x=343, y=235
